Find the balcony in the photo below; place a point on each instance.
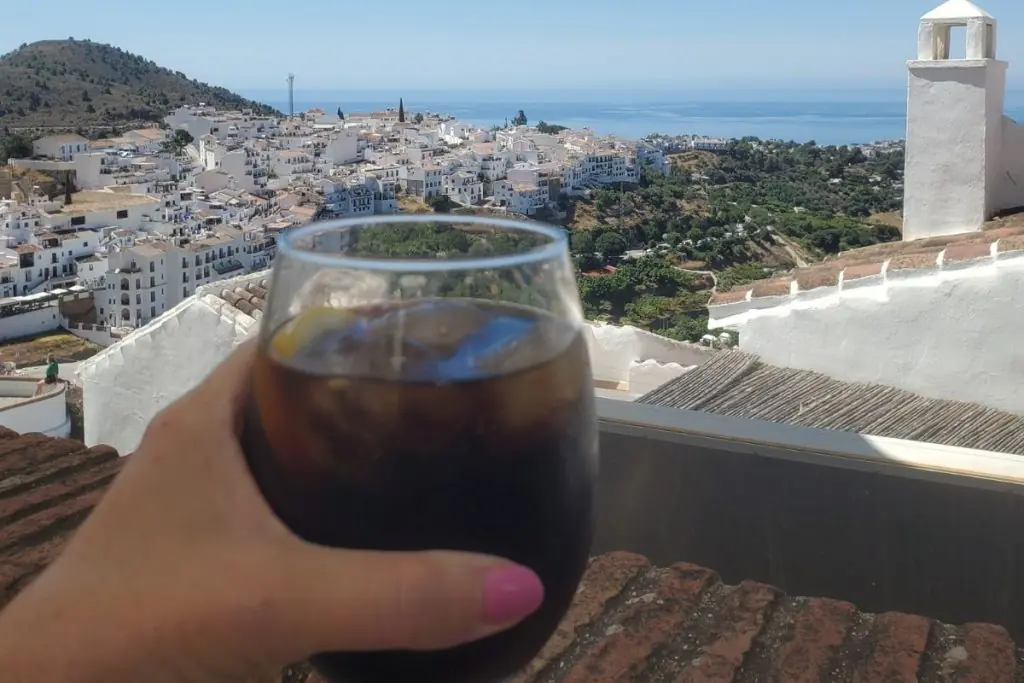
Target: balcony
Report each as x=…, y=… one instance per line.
x=887, y=524
x=131, y=267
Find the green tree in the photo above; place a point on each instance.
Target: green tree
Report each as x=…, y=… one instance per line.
x=341, y=115
x=610, y=244
x=418, y=118
x=15, y=146
x=177, y=142
x=582, y=242
x=520, y=119
x=401, y=111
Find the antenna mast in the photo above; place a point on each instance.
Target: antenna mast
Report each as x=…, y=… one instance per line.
x=291, y=95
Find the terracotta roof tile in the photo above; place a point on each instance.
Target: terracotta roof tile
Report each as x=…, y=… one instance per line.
x=1015, y=243
x=47, y=487
x=629, y=622
x=683, y=625
x=777, y=286
x=967, y=252
x=731, y=296
x=249, y=298
x=812, y=278
x=915, y=260
x=862, y=270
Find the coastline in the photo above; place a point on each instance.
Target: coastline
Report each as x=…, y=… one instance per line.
x=823, y=116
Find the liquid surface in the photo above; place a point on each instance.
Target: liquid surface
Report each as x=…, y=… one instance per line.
x=451, y=424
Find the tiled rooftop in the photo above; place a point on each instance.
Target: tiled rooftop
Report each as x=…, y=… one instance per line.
x=738, y=384
x=890, y=260
x=249, y=297
x=630, y=621
x=47, y=487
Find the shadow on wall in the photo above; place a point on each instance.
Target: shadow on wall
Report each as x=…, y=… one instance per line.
x=951, y=550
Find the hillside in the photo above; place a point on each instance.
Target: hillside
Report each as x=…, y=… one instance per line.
x=72, y=83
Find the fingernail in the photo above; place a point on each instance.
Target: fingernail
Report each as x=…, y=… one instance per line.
x=511, y=593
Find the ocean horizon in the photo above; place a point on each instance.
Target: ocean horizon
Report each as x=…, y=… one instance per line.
x=829, y=117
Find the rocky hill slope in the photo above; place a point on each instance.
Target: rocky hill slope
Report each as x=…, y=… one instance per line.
x=79, y=83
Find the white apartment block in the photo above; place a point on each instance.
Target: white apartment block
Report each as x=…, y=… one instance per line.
x=351, y=202
x=425, y=182
x=464, y=188
x=61, y=147
x=153, y=275
x=521, y=197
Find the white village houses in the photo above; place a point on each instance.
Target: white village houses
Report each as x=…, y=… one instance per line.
x=904, y=316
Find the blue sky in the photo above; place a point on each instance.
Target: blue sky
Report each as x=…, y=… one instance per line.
x=544, y=44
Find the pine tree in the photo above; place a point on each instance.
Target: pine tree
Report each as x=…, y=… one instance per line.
x=401, y=111
x=340, y=115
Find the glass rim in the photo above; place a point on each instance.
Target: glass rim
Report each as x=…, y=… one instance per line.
x=554, y=248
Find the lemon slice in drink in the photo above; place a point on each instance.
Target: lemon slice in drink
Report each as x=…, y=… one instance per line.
x=305, y=327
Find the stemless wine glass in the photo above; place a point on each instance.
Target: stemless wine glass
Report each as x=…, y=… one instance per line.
x=423, y=382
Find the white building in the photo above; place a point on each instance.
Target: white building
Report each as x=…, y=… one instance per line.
x=423, y=181
x=941, y=317
x=63, y=147
x=955, y=182
x=464, y=188
x=521, y=197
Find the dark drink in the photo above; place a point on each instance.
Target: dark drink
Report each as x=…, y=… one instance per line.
x=450, y=424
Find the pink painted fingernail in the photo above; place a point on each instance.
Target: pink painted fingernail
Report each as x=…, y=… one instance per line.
x=511, y=593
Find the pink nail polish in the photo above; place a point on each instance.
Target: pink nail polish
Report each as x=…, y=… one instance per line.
x=511, y=593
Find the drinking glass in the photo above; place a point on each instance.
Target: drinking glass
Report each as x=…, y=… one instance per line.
x=422, y=382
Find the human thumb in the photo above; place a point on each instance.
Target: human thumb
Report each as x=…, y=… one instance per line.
x=337, y=600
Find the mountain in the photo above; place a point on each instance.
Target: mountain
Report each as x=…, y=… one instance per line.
x=72, y=83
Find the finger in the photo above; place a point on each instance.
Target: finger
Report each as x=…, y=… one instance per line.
x=367, y=600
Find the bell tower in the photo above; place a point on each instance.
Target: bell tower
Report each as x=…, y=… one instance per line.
x=954, y=125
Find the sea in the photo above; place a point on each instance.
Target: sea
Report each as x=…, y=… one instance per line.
x=828, y=117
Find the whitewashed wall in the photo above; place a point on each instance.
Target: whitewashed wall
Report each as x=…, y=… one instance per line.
x=125, y=385
x=950, y=334
x=97, y=334
x=32, y=322
x=625, y=355
x=45, y=415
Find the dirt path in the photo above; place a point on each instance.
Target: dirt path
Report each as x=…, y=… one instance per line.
x=800, y=261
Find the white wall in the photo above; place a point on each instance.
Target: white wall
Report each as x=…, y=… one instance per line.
x=30, y=323
x=1011, y=183
x=46, y=415
x=97, y=334
x=618, y=354
x=951, y=334
x=125, y=385
x=954, y=129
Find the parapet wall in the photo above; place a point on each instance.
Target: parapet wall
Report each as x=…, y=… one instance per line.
x=940, y=321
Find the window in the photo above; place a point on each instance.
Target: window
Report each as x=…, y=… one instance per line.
x=123, y=213
x=152, y=297
x=78, y=220
x=152, y=311
x=152, y=281
x=184, y=291
x=184, y=277
x=85, y=244
x=152, y=267
x=138, y=283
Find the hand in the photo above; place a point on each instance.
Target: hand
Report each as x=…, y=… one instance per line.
x=183, y=573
